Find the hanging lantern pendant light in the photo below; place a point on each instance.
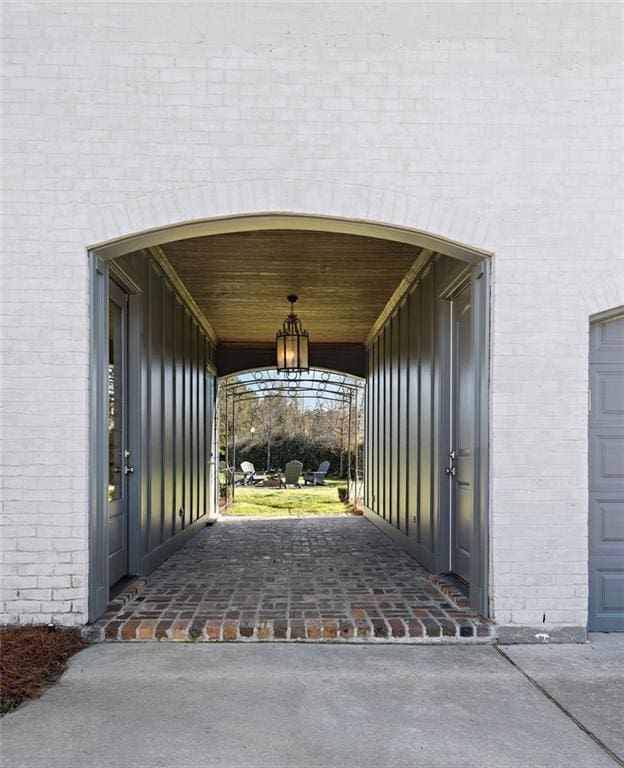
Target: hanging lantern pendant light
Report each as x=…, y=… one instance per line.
x=292, y=343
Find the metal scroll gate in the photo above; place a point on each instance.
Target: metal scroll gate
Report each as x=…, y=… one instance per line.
x=346, y=391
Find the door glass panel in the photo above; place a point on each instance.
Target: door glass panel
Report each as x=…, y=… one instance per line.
x=114, y=401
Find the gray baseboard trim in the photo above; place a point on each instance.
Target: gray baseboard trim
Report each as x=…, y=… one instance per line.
x=417, y=551
x=513, y=634
x=160, y=554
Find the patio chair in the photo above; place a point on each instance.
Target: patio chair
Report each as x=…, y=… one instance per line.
x=318, y=477
x=250, y=476
x=292, y=474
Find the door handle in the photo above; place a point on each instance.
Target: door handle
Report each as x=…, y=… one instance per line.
x=450, y=470
x=128, y=470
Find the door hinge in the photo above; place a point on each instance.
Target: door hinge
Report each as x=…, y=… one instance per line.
x=589, y=400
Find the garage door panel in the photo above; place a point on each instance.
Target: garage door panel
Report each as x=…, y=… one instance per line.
x=607, y=388
x=607, y=593
x=612, y=519
x=612, y=583
x=606, y=523
x=607, y=461
x=606, y=339
x=612, y=458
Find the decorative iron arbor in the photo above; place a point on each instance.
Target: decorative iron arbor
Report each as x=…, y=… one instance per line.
x=315, y=384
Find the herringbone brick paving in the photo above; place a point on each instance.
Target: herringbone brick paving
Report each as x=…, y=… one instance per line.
x=305, y=579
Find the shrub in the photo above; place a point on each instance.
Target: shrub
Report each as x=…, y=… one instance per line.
x=310, y=453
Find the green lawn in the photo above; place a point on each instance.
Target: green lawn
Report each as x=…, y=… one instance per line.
x=319, y=500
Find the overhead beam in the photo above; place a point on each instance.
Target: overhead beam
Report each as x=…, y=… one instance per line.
x=402, y=288
x=344, y=358
x=167, y=267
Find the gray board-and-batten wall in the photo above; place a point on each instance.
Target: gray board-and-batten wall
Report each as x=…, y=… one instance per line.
x=407, y=419
x=171, y=415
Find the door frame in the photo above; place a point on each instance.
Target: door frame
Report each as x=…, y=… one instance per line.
x=481, y=329
x=478, y=277
x=101, y=272
x=119, y=298
x=451, y=412
x=595, y=319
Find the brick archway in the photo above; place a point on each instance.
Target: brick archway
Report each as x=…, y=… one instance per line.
x=236, y=207
x=411, y=216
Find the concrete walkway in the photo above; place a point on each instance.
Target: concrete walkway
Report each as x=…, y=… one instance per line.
x=297, y=706
x=587, y=680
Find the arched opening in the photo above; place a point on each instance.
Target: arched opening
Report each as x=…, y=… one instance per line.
x=319, y=412
x=405, y=311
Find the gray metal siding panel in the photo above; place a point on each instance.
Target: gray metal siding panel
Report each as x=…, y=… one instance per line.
x=366, y=467
x=426, y=410
x=204, y=453
x=178, y=394
x=201, y=414
x=211, y=457
x=442, y=422
x=366, y=435
x=141, y=274
x=438, y=404
x=368, y=429
x=403, y=456
x=192, y=436
x=168, y=504
x=388, y=458
x=381, y=470
x=375, y=417
x=196, y=425
x=188, y=467
x=394, y=421
x=155, y=409
x=413, y=418
x=371, y=395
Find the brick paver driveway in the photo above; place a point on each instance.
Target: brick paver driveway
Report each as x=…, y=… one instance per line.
x=305, y=579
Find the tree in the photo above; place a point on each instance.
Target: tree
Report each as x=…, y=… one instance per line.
x=266, y=420
x=300, y=427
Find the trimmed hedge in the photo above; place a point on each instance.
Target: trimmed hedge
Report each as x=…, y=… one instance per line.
x=311, y=454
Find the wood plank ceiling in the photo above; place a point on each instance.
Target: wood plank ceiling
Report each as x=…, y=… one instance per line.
x=240, y=281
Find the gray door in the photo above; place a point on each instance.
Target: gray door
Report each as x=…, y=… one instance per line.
x=606, y=475
x=461, y=458
x=117, y=434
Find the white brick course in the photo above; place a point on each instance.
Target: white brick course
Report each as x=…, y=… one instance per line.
x=498, y=125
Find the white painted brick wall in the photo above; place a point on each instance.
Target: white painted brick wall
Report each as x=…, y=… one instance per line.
x=498, y=124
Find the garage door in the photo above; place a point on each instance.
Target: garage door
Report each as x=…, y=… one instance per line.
x=606, y=475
